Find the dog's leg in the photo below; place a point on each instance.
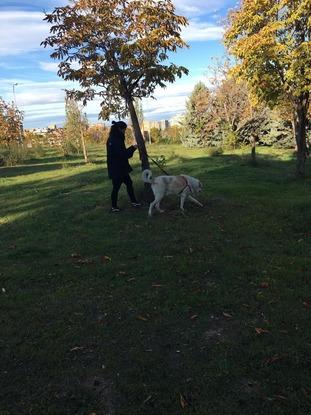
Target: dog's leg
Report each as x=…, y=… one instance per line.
x=183, y=197
x=151, y=207
x=156, y=204
x=158, y=208
x=195, y=201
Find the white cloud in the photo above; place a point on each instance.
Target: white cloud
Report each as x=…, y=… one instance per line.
x=201, y=7
x=29, y=93
x=49, y=66
x=202, y=31
x=39, y=97
x=45, y=101
x=21, y=32
x=172, y=99
x=34, y=4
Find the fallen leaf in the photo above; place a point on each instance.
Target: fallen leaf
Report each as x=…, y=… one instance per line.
x=105, y=258
x=259, y=330
x=264, y=285
x=142, y=318
x=227, y=315
x=194, y=316
x=79, y=260
x=272, y=359
x=4, y=290
x=148, y=399
x=157, y=285
x=85, y=261
x=307, y=304
x=283, y=398
x=183, y=401
x=307, y=392
x=74, y=349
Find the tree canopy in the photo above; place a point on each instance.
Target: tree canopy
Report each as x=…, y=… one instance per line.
x=117, y=50
x=121, y=46
x=271, y=41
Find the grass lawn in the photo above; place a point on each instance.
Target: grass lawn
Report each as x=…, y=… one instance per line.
x=117, y=314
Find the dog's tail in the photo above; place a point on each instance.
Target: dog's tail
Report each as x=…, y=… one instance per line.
x=147, y=176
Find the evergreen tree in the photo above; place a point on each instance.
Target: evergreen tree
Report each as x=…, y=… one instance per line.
x=194, y=123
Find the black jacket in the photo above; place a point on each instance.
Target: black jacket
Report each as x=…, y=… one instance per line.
x=117, y=156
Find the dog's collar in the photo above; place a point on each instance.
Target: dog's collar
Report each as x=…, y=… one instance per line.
x=186, y=185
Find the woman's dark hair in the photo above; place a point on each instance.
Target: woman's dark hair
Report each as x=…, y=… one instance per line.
x=119, y=124
x=115, y=129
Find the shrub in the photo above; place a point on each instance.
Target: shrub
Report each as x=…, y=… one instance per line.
x=156, y=135
x=230, y=139
x=214, y=151
x=14, y=154
x=70, y=147
x=172, y=135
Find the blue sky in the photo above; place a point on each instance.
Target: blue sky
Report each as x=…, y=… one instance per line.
x=40, y=92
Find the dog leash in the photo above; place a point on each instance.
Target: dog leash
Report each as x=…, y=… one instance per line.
x=157, y=164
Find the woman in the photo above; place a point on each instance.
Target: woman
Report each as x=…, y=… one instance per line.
x=118, y=165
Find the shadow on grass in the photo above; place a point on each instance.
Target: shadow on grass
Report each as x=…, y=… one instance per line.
x=228, y=174
x=108, y=310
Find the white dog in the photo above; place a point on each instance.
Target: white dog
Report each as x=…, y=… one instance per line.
x=182, y=185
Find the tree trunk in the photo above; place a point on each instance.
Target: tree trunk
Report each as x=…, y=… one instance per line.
x=139, y=137
x=300, y=123
x=84, y=147
x=253, y=153
x=293, y=132
x=147, y=194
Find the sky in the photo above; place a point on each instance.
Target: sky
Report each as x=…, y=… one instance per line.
x=27, y=69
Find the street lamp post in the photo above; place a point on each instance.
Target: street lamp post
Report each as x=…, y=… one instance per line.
x=15, y=103
x=14, y=95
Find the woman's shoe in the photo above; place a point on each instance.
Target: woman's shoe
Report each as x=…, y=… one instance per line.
x=115, y=210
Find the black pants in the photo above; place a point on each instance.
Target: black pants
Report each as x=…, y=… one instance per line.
x=116, y=183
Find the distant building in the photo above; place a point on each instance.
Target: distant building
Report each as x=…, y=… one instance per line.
x=161, y=125
x=38, y=131
x=177, y=120
x=44, y=130
x=51, y=135
x=52, y=127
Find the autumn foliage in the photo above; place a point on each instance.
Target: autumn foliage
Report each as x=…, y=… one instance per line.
x=117, y=50
x=11, y=119
x=271, y=41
